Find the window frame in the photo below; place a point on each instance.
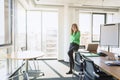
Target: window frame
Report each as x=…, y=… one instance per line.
x=105, y=20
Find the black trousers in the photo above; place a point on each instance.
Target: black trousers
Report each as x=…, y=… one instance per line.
x=73, y=47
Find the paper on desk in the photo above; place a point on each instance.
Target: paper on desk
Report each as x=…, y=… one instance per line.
x=90, y=54
x=83, y=50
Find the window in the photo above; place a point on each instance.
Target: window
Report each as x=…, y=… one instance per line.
x=42, y=33
x=34, y=30
x=85, y=27
x=5, y=36
x=89, y=25
x=97, y=20
x=20, y=27
x=5, y=22
x=50, y=31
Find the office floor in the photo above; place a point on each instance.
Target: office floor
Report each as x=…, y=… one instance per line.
x=53, y=70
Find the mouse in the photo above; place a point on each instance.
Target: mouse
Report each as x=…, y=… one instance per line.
x=101, y=54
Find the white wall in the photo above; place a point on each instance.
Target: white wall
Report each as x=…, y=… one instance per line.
x=60, y=34
x=116, y=17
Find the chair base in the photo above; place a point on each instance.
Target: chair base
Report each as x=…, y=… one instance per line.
x=35, y=73
x=78, y=75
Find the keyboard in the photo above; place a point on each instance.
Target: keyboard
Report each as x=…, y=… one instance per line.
x=101, y=54
x=112, y=63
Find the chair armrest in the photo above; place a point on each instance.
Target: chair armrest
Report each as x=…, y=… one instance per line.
x=102, y=74
x=97, y=75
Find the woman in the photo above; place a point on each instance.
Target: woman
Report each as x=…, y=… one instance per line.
x=74, y=45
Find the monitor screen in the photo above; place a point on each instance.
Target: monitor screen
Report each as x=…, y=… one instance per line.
x=109, y=35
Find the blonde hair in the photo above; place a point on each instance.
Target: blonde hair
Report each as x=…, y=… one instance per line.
x=75, y=27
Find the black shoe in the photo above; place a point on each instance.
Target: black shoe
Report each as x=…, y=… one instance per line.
x=70, y=72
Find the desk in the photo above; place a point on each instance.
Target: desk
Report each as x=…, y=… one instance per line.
x=25, y=55
x=112, y=70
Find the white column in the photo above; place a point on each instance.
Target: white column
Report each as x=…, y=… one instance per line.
x=60, y=35
x=67, y=16
x=66, y=32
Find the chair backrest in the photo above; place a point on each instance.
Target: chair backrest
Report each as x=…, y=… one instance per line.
x=25, y=76
x=92, y=48
x=78, y=57
x=78, y=62
x=91, y=72
x=89, y=69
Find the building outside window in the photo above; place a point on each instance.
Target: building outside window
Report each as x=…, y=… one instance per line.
x=89, y=25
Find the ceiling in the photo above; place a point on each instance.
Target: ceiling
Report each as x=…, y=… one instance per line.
x=110, y=3
x=79, y=3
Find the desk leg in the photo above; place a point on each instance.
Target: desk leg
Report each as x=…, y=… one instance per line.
x=26, y=65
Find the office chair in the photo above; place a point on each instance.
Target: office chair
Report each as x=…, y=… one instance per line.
x=78, y=65
x=93, y=73
x=36, y=72
x=16, y=77
x=92, y=48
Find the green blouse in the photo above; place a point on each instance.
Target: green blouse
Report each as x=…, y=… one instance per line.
x=75, y=38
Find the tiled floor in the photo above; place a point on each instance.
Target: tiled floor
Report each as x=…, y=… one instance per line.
x=53, y=70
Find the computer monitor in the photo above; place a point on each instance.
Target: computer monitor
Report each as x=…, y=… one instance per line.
x=110, y=35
